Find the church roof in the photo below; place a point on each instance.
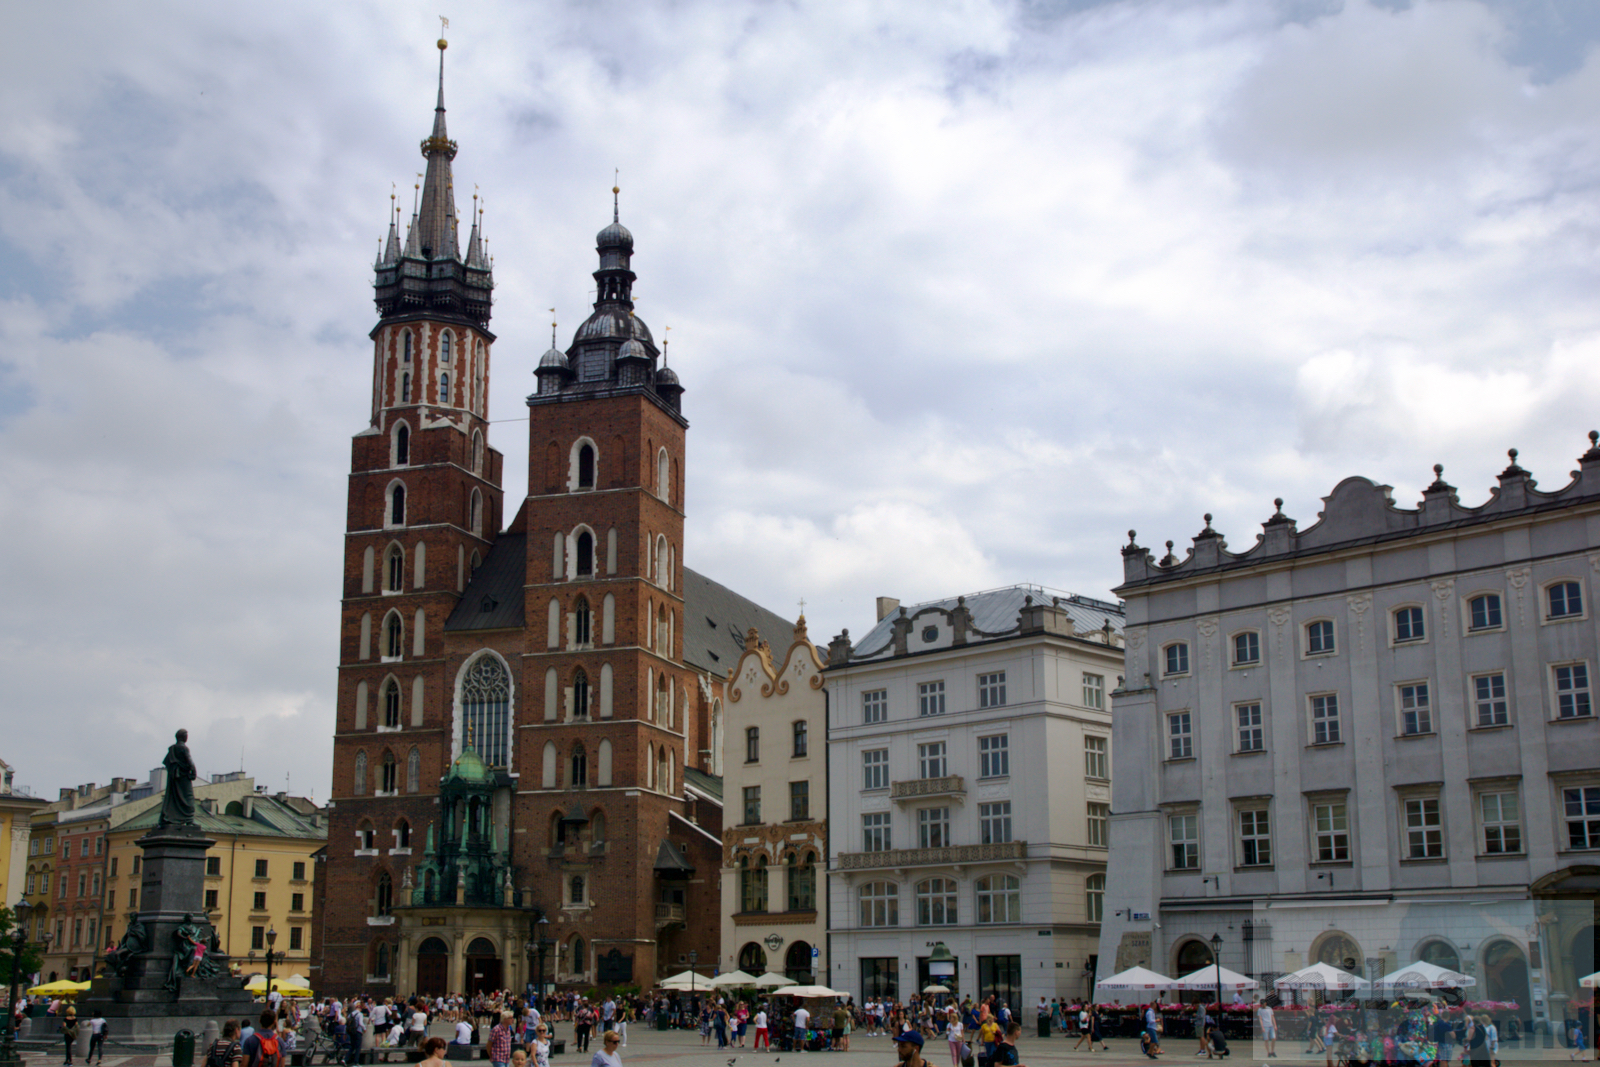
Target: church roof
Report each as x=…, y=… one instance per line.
x=493, y=600
x=709, y=784
x=468, y=767
x=715, y=619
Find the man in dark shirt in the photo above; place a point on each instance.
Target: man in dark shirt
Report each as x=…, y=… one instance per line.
x=909, y=1047
x=1005, y=1053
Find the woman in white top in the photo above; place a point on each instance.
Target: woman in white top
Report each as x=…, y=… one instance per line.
x=952, y=1034
x=418, y=1027
x=607, y=1054
x=541, y=1046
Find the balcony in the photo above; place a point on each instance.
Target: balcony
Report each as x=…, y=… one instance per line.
x=668, y=915
x=951, y=785
x=950, y=856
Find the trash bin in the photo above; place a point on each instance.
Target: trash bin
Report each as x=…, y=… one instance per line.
x=1044, y=1025
x=663, y=1021
x=183, y=1049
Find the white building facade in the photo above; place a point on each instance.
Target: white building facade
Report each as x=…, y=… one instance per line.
x=969, y=762
x=1368, y=743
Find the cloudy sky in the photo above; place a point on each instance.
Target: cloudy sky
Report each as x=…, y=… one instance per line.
x=961, y=291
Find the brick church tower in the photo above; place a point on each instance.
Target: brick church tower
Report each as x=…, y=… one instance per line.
x=528, y=718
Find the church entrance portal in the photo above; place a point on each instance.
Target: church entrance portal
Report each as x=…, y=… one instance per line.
x=483, y=967
x=433, y=967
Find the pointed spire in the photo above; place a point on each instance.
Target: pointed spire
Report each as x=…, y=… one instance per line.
x=391, y=249
x=475, y=257
x=436, y=216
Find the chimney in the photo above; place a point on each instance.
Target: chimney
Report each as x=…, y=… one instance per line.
x=886, y=605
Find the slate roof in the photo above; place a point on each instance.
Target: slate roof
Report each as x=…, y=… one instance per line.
x=709, y=784
x=493, y=600
x=715, y=619
x=995, y=611
x=670, y=857
x=271, y=818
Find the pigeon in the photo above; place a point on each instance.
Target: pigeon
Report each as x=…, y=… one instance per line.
x=733, y=1061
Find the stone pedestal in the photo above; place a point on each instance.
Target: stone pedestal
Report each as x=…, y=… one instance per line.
x=137, y=1004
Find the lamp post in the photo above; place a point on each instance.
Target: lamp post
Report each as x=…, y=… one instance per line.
x=272, y=939
x=20, y=914
x=1216, y=962
x=544, y=948
x=694, y=957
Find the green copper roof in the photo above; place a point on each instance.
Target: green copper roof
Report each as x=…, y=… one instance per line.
x=469, y=767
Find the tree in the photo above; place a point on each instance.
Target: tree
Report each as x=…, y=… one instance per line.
x=32, y=959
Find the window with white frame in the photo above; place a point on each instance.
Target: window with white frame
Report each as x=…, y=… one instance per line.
x=936, y=902
x=1246, y=648
x=1180, y=738
x=1183, y=835
x=1094, y=888
x=875, y=768
x=931, y=760
x=1489, y=699
x=999, y=898
x=992, y=689
x=1325, y=719
x=1580, y=807
x=875, y=832
x=1572, y=690
x=1424, y=829
x=1255, y=838
x=1094, y=690
x=1330, y=826
x=1563, y=600
x=1096, y=761
x=1416, y=713
x=1319, y=638
x=933, y=827
x=875, y=705
x=994, y=756
x=1177, y=658
x=994, y=822
x=930, y=698
x=752, y=804
x=752, y=744
x=1100, y=825
x=1501, y=822
x=880, y=904
x=1251, y=734
x=1483, y=612
x=1408, y=624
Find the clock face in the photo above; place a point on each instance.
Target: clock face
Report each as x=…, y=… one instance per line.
x=930, y=634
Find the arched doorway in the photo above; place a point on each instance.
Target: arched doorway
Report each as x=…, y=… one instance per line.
x=753, y=960
x=1338, y=949
x=1192, y=955
x=483, y=967
x=1505, y=976
x=433, y=967
x=797, y=963
x=1440, y=953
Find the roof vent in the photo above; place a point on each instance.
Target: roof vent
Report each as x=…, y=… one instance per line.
x=489, y=604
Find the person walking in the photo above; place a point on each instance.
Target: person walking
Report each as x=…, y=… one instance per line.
x=762, y=1035
x=1097, y=1031
x=97, y=1037
x=541, y=1045
x=500, y=1041
x=606, y=1055
x=225, y=1050
x=952, y=1034
x=69, y=1030
x=1267, y=1029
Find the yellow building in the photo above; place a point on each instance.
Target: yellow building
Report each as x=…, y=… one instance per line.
x=16, y=809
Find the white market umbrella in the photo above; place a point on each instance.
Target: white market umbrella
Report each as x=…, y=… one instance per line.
x=1213, y=977
x=1321, y=976
x=685, y=980
x=1135, y=978
x=1591, y=982
x=937, y=989
x=736, y=979
x=773, y=981
x=810, y=991
x=1424, y=975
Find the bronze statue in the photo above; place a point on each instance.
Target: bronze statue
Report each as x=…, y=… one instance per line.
x=135, y=940
x=190, y=957
x=177, y=808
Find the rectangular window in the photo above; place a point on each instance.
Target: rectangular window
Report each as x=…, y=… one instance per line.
x=1581, y=806
x=1183, y=831
x=994, y=756
x=1319, y=638
x=1178, y=658
x=1094, y=691
x=1252, y=737
x=259, y=903
x=83, y=884
x=992, y=690
x=752, y=744
x=875, y=832
x=994, y=822
x=297, y=902
x=211, y=900
x=933, y=827
x=801, y=739
x=1180, y=741
x=800, y=800
x=1424, y=830
x=752, y=804
x=1572, y=691
x=931, y=761
x=261, y=868
x=133, y=898
x=875, y=769
x=930, y=698
x=1416, y=715
x=83, y=847
x=1096, y=761
x=880, y=976
x=1255, y=839
x=258, y=937
x=214, y=865
x=299, y=871
x=1565, y=600
x=114, y=866
x=1484, y=612
x=1502, y=827
x=297, y=939
x=1489, y=698
x=875, y=705
x=1325, y=719
x=1100, y=825
x=1246, y=648
x=1408, y=625
x=1331, y=828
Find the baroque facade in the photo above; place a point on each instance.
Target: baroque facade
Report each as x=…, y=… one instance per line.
x=775, y=842
x=969, y=744
x=1368, y=742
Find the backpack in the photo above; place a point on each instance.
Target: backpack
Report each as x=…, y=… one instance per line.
x=267, y=1050
x=222, y=1053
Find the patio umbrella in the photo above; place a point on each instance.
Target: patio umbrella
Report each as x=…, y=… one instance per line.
x=735, y=979
x=60, y=988
x=1424, y=975
x=773, y=981
x=937, y=989
x=1213, y=977
x=1321, y=976
x=810, y=991
x=1591, y=982
x=1135, y=978
x=685, y=980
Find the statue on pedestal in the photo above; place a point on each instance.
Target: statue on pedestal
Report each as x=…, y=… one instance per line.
x=177, y=807
x=190, y=958
x=135, y=941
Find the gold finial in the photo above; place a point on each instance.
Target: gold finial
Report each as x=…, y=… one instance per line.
x=444, y=24
x=616, y=191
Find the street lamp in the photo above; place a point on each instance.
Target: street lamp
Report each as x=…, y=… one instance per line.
x=544, y=948
x=1216, y=962
x=272, y=939
x=694, y=957
x=20, y=914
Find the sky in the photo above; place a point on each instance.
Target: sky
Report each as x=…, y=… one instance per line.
x=961, y=291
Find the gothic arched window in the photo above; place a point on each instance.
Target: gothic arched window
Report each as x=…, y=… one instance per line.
x=397, y=506
x=387, y=777
x=384, y=902
x=582, y=622
x=405, y=348
x=580, y=694
x=360, y=782
x=402, y=835
x=445, y=342
x=405, y=388
x=444, y=388
x=585, y=553
x=394, y=636
x=413, y=771
x=577, y=889
x=486, y=709
x=394, y=569
x=580, y=768
x=586, y=466
x=402, y=445
x=391, y=704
